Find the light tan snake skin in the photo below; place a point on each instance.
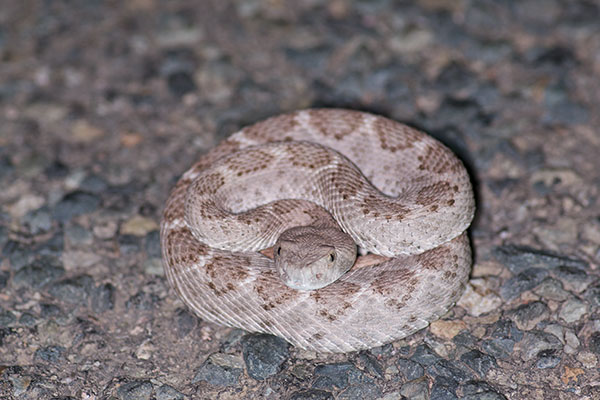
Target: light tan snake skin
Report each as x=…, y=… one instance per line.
x=416, y=214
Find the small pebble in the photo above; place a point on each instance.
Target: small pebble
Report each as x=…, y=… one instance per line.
x=72, y=290
x=417, y=389
x=135, y=390
x=337, y=376
x=424, y=355
x=166, y=392
x=138, y=226
x=479, y=362
x=219, y=373
x=38, y=273
x=264, y=354
x=526, y=280
x=311, y=394
x=527, y=316
x=74, y=204
x=410, y=369
x=103, y=298
x=572, y=310
x=51, y=354
x=535, y=342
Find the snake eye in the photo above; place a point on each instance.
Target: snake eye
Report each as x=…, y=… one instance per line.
x=331, y=257
x=279, y=250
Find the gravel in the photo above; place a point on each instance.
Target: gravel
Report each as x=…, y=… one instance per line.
x=100, y=119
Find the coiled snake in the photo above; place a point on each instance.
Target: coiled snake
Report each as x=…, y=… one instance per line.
x=343, y=177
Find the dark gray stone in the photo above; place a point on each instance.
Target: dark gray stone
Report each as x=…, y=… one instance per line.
x=103, y=298
x=19, y=254
x=465, y=339
x=56, y=170
x=153, y=244
x=454, y=77
x=147, y=210
x=3, y=233
x=27, y=319
x=527, y=316
x=443, y=389
x=485, y=396
x=72, y=290
x=77, y=235
x=554, y=56
x=415, y=389
x=128, y=244
x=6, y=167
x=504, y=336
x=264, y=354
x=338, y=376
x=521, y=258
x=551, y=289
x=487, y=96
x=574, y=277
x=93, y=184
x=74, y=204
x=410, y=369
x=365, y=391
x=562, y=110
x=38, y=273
x=449, y=369
x=142, y=301
x=536, y=342
x=479, y=362
x=185, y=322
x=51, y=354
x=52, y=248
x=506, y=328
x=181, y=83
x=166, y=392
x=478, y=390
x=217, y=375
x=488, y=17
x=7, y=318
x=424, y=355
x=499, y=347
x=547, y=359
x=38, y=221
x=594, y=342
x=369, y=363
x=4, y=275
x=49, y=310
x=522, y=282
x=592, y=294
x=311, y=394
x=135, y=390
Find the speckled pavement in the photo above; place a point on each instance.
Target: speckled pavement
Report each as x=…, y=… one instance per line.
x=104, y=104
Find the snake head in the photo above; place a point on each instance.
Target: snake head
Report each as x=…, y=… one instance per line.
x=309, y=258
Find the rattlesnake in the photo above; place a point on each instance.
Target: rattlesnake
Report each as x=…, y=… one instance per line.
x=403, y=196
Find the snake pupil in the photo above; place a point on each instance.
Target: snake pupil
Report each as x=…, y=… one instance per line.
x=331, y=257
x=279, y=251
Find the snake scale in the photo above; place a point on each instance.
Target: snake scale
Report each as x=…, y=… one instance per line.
x=402, y=197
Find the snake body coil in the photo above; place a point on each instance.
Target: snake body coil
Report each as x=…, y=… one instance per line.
x=395, y=191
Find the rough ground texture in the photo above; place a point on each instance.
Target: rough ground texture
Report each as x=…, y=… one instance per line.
x=104, y=104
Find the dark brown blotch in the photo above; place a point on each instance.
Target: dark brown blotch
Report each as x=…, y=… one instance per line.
x=432, y=194
x=335, y=123
x=394, y=136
